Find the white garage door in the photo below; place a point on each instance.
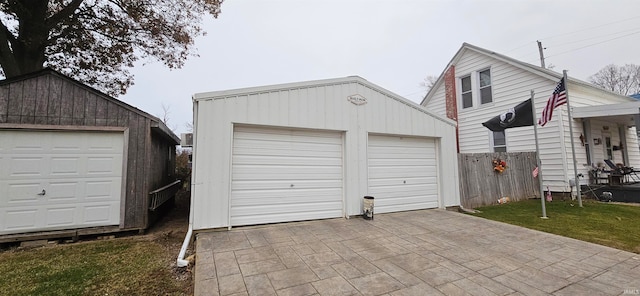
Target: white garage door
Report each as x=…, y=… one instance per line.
x=53, y=180
x=402, y=173
x=285, y=175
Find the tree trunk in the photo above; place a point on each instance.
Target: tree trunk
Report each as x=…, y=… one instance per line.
x=30, y=44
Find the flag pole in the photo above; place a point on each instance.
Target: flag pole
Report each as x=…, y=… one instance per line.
x=573, y=146
x=538, y=161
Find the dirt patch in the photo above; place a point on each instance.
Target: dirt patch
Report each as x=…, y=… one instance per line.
x=169, y=231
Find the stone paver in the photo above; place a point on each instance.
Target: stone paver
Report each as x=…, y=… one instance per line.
x=427, y=252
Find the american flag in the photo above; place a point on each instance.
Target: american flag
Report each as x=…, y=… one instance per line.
x=558, y=98
x=535, y=172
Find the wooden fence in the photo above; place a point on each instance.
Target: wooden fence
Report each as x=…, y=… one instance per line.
x=480, y=185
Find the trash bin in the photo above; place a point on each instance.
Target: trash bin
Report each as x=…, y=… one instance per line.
x=368, y=207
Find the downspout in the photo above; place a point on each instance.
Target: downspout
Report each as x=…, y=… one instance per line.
x=181, y=262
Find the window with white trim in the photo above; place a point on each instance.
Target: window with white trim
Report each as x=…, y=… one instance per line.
x=485, y=86
x=499, y=141
x=467, y=96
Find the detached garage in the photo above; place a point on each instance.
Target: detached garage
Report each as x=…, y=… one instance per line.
x=74, y=161
x=313, y=150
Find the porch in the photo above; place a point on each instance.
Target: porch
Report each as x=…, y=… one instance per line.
x=623, y=192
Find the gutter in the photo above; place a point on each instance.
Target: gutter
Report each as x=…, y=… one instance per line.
x=180, y=262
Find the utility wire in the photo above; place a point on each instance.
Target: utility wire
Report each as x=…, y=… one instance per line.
x=568, y=33
x=596, y=37
x=585, y=29
x=589, y=45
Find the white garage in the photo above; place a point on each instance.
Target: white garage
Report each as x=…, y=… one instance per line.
x=59, y=179
x=313, y=150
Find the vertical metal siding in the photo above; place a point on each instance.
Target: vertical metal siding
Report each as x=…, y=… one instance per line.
x=310, y=107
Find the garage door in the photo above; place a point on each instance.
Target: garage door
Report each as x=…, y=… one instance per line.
x=285, y=175
x=402, y=173
x=53, y=180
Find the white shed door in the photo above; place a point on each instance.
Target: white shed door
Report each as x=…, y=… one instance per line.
x=51, y=180
x=283, y=175
x=402, y=173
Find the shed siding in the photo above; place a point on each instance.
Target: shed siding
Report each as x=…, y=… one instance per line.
x=52, y=100
x=319, y=106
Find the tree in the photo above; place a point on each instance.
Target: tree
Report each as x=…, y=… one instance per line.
x=429, y=82
x=624, y=80
x=97, y=41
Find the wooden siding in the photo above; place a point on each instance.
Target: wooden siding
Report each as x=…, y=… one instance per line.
x=480, y=185
x=51, y=99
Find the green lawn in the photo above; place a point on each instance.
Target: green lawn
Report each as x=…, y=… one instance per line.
x=112, y=267
x=614, y=225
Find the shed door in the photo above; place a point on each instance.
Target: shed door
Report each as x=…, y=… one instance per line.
x=285, y=175
x=51, y=180
x=402, y=173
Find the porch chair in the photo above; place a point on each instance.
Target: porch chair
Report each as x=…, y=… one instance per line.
x=625, y=173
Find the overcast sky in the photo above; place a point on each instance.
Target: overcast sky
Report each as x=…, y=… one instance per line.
x=392, y=43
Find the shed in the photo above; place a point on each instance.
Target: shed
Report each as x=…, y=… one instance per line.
x=313, y=150
x=76, y=161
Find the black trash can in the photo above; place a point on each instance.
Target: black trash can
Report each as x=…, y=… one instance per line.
x=368, y=207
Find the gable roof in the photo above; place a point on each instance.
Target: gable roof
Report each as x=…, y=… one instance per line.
x=317, y=83
x=156, y=123
x=533, y=69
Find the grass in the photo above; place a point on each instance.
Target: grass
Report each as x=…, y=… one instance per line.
x=613, y=225
x=126, y=266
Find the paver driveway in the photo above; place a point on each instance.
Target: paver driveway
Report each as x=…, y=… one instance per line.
x=428, y=252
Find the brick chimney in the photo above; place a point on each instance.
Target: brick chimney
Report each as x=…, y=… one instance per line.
x=451, y=98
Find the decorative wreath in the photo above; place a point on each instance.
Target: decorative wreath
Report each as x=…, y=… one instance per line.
x=499, y=165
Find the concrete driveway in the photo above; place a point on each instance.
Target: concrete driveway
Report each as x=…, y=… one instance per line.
x=428, y=252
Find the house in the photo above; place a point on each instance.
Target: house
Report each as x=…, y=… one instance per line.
x=478, y=84
x=75, y=161
x=313, y=150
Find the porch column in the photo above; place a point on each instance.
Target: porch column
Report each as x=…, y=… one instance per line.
x=622, y=130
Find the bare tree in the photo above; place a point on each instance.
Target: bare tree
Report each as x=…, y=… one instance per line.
x=166, y=110
x=624, y=80
x=164, y=117
x=429, y=82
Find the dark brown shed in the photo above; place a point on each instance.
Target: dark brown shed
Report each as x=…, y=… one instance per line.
x=76, y=161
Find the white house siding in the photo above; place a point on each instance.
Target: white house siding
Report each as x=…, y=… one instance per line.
x=511, y=85
x=318, y=105
x=438, y=106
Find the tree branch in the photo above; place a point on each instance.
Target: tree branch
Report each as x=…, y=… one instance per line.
x=63, y=13
x=7, y=59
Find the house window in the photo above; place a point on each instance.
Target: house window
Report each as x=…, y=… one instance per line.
x=485, y=87
x=499, y=142
x=467, y=98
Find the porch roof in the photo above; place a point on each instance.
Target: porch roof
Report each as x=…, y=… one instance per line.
x=622, y=113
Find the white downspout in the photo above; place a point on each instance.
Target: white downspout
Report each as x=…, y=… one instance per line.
x=180, y=262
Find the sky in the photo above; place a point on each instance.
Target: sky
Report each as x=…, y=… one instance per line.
x=394, y=44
